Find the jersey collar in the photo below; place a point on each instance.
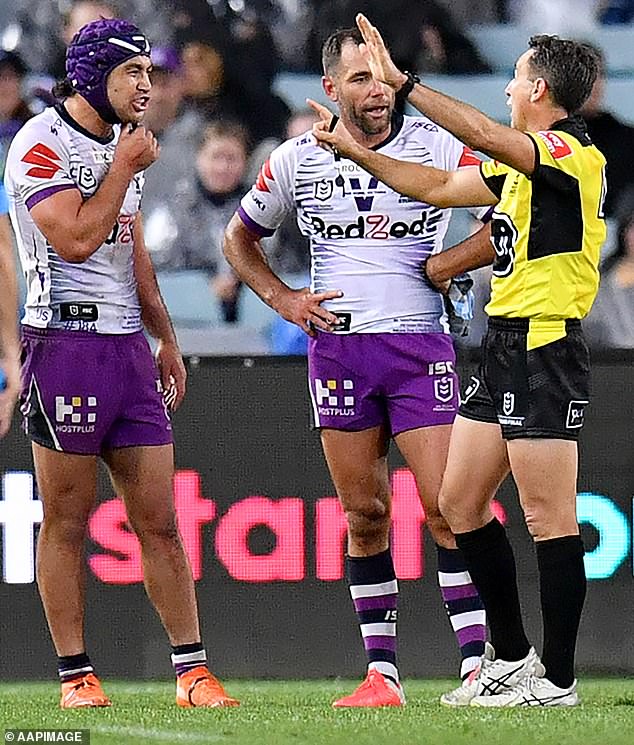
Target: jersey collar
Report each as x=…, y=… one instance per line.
x=574, y=125
x=63, y=113
x=395, y=128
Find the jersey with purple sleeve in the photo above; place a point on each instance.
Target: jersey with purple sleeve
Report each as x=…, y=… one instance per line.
x=366, y=239
x=49, y=154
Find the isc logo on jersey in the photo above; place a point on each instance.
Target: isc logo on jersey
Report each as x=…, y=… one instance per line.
x=374, y=226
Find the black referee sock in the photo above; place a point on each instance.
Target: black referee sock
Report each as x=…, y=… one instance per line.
x=491, y=564
x=562, y=582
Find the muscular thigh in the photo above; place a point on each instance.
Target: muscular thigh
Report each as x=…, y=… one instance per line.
x=357, y=462
x=67, y=484
x=425, y=451
x=142, y=476
x=477, y=464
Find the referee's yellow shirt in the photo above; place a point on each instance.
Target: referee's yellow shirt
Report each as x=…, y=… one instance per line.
x=547, y=231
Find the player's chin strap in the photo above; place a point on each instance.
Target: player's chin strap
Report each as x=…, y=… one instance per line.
x=459, y=301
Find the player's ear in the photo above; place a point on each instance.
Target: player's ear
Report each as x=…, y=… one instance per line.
x=540, y=89
x=328, y=84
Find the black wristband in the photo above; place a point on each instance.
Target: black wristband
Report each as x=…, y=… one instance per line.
x=408, y=85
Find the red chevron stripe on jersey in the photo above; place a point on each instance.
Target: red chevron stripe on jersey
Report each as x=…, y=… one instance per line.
x=265, y=173
x=43, y=158
x=468, y=158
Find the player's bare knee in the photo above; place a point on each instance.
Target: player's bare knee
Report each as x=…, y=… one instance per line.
x=162, y=530
x=439, y=528
x=370, y=524
x=62, y=528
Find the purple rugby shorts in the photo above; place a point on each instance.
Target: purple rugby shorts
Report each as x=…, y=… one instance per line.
x=86, y=393
x=404, y=381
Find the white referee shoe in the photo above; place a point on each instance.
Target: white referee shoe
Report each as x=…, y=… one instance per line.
x=533, y=690
x=492, y=677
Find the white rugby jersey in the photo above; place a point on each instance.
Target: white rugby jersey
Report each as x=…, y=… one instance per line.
x=366, y=239
x=51, y=153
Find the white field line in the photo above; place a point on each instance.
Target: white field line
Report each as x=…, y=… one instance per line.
x=148, y=733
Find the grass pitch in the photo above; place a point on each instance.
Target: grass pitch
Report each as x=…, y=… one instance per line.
x=281, y=713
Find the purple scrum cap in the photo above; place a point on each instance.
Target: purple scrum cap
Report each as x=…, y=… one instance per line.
x=95, y=50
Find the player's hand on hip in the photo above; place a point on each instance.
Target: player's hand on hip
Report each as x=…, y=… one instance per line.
x=331, y=134
x=9, y=391
x=137, y=148
x=303, y=308
x=377, y=56
x=173, y=373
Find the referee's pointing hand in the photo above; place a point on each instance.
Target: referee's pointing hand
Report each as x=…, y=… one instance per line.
x=330, y=132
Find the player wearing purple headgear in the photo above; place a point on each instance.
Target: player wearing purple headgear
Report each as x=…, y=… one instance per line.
x=90, y=385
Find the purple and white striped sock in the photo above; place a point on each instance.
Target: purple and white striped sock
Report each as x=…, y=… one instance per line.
x=188, y=656
x=464, y=607
x=374, y=592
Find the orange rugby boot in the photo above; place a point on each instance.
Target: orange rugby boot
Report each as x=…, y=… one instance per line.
x=375, y=691
x=198, y=687
x=83, y=692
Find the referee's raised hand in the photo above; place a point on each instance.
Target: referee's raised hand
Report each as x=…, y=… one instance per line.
x=378, y=58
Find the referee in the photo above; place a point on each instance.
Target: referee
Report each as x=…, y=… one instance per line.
x=523, y=411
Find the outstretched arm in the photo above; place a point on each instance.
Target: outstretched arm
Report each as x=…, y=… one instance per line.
x=462, y=188
x=469, y=125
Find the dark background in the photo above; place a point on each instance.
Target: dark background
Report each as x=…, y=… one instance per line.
x=245, y=428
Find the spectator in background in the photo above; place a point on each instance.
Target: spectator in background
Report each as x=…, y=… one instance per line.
x=40, y=26
x=79, y=14
x=610, y=322
x=616, y=12
x=177, y=129
x=422, y=36
x=204, y=82
x=246, y=53
x=193, y=224
x=14, y=110
x=614, y=138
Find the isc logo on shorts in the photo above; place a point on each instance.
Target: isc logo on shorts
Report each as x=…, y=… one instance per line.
x=576, y=411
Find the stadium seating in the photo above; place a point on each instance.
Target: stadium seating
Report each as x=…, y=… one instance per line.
x=486, y=92
x=189, y=298
x=500, y=45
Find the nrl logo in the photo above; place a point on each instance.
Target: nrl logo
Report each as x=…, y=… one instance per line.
x=508, y=403
x=443, y=389
x=324, y=189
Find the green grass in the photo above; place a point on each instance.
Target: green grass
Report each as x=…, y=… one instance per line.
x=280, y=713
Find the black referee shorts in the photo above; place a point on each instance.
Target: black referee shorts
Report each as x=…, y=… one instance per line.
x=538, y=393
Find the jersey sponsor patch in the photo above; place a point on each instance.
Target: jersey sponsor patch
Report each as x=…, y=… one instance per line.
x=44, y=161
x=557, y=147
